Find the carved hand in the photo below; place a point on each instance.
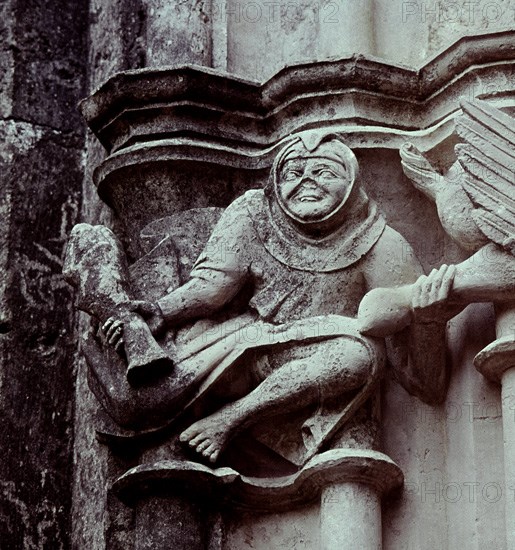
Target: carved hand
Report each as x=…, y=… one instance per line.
x=384, y=311
x=113, y=332
x=429, y=296
x=150, y=311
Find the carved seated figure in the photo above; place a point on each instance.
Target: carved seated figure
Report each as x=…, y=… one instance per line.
x=267, y=320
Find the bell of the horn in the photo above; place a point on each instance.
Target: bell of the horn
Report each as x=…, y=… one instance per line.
x=146, y=359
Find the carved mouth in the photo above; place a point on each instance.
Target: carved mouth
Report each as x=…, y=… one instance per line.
x=309, y=198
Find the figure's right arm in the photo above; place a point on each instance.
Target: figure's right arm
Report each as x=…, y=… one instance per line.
x=218, y=274
x=201, y=296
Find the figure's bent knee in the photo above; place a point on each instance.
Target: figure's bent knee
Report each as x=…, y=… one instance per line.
x=347, y=364
x=352, y=360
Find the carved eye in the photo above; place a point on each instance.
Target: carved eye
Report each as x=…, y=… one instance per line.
x=326, y=173
x=290, y=175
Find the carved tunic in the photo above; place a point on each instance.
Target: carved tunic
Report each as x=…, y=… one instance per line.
x=302, y=292
x=295, y=280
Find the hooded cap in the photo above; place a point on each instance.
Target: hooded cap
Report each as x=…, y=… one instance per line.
x=310, y=144
x=361, y=224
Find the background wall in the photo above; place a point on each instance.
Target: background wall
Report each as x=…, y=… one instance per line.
x=43, y=65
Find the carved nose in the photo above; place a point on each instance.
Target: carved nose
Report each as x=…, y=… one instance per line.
x=307, y=179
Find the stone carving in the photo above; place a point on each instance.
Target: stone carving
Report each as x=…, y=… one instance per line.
x=262, y=333
x=475, y=201
x=103, y=288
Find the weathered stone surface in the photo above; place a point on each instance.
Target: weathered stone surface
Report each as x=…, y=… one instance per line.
x=296, y=528
x=432, y=26
x=189, y=533
x=194, y=145
x=178, y=32
x=480, y=189
x=451, y=449
x=314, y=31
x=372, y=102
x=190, y=301
x=427, y=252
x=261, y=495
x=41, y=54
x=42, y=180
x=108, y=274
x=6, y=59
x=444, y=449
x=47, y=46
x=147, y=33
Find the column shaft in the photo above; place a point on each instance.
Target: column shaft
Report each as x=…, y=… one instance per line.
x=350, y=518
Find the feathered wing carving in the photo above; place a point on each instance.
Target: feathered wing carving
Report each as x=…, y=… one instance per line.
x=488, y=159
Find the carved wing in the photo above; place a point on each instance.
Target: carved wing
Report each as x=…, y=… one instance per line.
x=488, y=158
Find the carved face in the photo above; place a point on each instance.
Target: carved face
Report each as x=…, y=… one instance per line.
x=312, y=188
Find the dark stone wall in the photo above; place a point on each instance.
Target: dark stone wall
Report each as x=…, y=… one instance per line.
x=43, y=51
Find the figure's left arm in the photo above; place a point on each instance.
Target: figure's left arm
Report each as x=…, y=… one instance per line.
x=414, y=312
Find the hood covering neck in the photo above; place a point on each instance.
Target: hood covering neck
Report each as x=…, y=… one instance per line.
x=355, y=223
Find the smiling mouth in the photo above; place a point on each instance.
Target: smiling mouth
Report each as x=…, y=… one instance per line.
x=308, y=198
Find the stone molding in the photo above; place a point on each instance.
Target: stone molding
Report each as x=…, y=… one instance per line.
x=367, y=467
x=140, y=105
x=497, y=358
x=195, y=113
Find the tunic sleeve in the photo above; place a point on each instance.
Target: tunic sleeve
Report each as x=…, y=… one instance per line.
x=219, y=272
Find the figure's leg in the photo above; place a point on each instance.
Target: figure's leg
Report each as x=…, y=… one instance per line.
x=96, y=265
x=336, y=366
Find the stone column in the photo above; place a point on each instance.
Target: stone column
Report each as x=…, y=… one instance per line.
x=264, y=37
x=178, y=32
x=497, y=363
x=181, y=524
x=350, y=517
x=508, y=424
x=126, y=35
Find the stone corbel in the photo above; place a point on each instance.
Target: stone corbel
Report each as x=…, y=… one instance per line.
x=169, y=131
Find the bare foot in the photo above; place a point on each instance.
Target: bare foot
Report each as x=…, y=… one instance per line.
x=209, y=436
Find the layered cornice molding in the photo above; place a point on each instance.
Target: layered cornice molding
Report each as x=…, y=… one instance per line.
x=196, y=113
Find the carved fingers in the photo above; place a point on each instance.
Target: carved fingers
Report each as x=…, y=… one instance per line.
x=430, y=294
x=151, y=312
x=113, y=332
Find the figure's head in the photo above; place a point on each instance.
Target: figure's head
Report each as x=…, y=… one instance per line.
x=312, y=177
